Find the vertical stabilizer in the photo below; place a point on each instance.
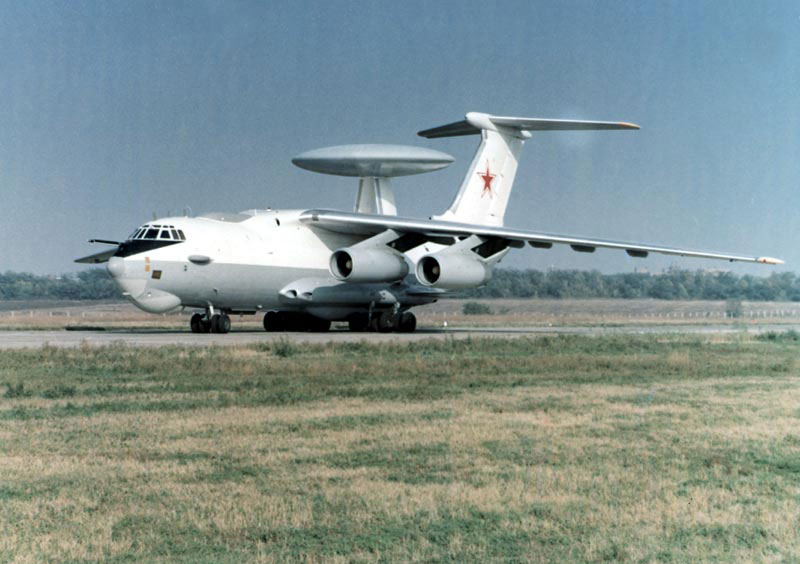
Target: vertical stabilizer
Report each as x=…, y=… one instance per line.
x=483, y=196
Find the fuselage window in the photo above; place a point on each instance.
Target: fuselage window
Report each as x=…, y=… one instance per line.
x=183, y=237
x=151, y=234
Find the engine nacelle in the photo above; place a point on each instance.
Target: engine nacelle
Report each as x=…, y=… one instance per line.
x=367, y=265
x=452, y=271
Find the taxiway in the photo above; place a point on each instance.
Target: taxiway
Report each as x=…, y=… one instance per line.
x=158, y=338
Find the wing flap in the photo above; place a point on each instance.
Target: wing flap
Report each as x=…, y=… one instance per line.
x=367, y=225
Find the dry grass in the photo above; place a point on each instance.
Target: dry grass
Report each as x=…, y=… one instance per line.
x=636, y=449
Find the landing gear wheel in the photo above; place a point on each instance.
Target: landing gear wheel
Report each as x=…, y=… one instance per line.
x=318, y=325
x=199, y=324
x=220, y=323
x=291, y=321
x=196, y=323
x=271, y=321
x=408, y=322
x=387, y=322
x=358, y=322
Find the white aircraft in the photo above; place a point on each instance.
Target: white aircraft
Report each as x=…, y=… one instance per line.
x=306, y=268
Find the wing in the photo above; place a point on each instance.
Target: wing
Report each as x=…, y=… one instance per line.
x=368, y=225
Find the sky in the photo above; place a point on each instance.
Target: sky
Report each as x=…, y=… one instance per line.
x=113, y=111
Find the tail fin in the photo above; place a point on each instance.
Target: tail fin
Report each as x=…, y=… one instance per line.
x=483, y=196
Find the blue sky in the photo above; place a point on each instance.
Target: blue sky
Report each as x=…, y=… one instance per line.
x=110, y=111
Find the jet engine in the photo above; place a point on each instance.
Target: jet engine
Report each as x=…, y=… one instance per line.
x=453, y=271
x=354, y=264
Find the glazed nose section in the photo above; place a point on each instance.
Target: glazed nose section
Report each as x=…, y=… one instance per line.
x=116, y=266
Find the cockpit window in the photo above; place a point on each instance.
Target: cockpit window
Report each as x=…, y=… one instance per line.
x=164, y=232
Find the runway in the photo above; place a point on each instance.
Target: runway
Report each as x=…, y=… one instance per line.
x=158, y=338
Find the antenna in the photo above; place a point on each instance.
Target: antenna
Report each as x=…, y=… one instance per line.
x=375, y=165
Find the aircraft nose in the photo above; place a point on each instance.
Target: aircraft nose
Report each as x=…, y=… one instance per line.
x=133, y=284
x=116, y=266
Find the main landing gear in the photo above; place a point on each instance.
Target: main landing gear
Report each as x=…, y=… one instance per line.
x=295, y=321
x=383, y=322
x=217, y=323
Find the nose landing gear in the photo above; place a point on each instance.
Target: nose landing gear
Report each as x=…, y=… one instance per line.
x=220, y=323
x=215, y=323
x=200, y=324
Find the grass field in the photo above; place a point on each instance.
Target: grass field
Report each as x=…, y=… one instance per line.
x=639, y=449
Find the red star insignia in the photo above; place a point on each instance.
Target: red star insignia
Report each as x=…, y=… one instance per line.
x=487, y=180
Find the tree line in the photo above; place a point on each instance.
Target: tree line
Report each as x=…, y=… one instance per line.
x=671, y=285
x=96, y=284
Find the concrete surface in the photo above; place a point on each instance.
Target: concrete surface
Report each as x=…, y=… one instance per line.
x=157, y=338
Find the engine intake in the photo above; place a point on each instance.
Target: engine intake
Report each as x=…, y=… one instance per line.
x=367, y=265
x=452, y=271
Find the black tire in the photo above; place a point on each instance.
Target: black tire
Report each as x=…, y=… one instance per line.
x=358, y=322
x=291, y=321
x=318, y=325
x=196, y=323
x=408, y=322
x=387, y=322
x=272, y=321
x=224, y=324
x=220, y=323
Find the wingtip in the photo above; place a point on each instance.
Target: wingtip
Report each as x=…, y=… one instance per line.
x=769, y=260
x=629, y=125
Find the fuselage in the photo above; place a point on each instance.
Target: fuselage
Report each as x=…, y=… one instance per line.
x=245, y=262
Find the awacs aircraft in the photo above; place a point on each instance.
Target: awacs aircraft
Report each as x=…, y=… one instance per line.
x=306, y=268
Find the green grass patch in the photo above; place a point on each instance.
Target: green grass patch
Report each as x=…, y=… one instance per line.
x=579, y=449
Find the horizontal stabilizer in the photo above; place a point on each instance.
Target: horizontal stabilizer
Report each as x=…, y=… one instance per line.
x=475, y=122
